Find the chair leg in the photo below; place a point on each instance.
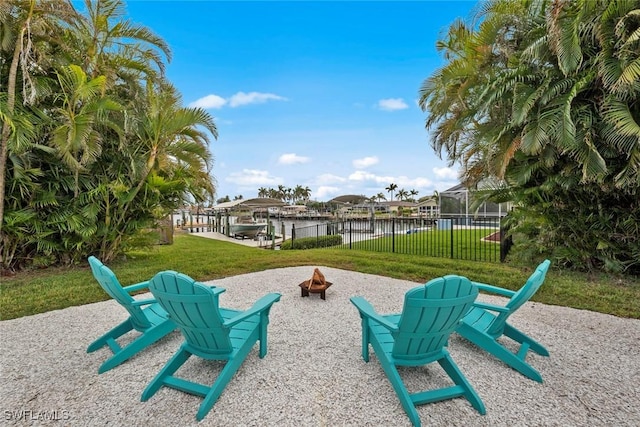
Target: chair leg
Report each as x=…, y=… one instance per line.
x=456, y=375
x=264, y=322
x=365, y=339
x=401, y=391
x=396, y=381
x=114, y=333
x=149, y=337
x=520, y=337
x=169, y=369
x=490, y=345
x=230, y=368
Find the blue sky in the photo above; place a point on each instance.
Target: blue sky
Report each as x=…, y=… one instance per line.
x=318, y=94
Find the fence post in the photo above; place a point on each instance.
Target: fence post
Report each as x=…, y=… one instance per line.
x=293, y=235
x=451, y=234
x=350, y=234
x=393, y=235
x=505, y=244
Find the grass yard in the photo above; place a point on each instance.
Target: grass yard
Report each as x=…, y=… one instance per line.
x=205, y=259
x=467, y=244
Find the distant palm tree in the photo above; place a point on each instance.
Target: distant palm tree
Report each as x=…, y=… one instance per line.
x=402, y=194
x=306, y=193
x=380, y=196
x=391, y=188
x=297, y=194
x=262, y=192
x=273, y=193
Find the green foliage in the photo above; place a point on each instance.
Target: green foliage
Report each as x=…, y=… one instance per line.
x=312, y=242
x=542, y=98
x=100, y=147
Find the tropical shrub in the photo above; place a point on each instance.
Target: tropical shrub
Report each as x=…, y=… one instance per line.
x=312, y=242
x=541, y=99
x=96, y=145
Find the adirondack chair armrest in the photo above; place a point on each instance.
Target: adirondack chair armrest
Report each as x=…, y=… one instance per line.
x=491, y=307
x=136, y=287
x=140, y=302
x=216, y=290
x=259, y=306
x=494, y=289
x=367, y=310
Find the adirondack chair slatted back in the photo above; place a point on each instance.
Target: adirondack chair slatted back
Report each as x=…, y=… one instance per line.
x=521, y=296
x=111, y=286
x=194, y=307
x=430, y=314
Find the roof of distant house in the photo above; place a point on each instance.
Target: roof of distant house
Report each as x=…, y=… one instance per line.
x=349, y=198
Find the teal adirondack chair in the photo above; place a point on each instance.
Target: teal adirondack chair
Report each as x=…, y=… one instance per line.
x=418, y=336
x=210, y=332
x=151, y=321
x=483, y=328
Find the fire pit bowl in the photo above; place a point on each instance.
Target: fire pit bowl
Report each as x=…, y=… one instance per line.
x=316, y=285
x=314, y=288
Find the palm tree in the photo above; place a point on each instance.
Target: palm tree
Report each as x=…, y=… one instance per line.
x=117, y=48
x=391, y=188
x=274, y=194
x=27, y=27
x=402, y=194
x=541, y=97
x=166, y=139
x=297, y=192
x=306, y=194
x=64, y=74
x=262, y=192
x=380, y=197
x=78, y=134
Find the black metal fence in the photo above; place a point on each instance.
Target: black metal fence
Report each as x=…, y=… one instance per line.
x=461, y=237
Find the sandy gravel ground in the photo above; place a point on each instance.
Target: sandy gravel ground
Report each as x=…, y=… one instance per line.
x=313, y=374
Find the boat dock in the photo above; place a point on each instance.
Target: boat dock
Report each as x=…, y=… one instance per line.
x=260, y=242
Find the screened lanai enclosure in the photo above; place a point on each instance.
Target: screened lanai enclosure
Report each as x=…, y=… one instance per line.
x=458, y=201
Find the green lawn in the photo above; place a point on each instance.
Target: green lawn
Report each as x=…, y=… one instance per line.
x=205, y=259
x=467, y=244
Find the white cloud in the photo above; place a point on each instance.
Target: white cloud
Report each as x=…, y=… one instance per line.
x=444, y=185
x=446, y=173
x=242, y=98
x=405, y=182
x=252, y=177
x=392, y=104
x=292, y=159
x=328, y=178
x=323, y=191
x=209, y=101
x=368, y=176
x=412, y=183
x=365, y=162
